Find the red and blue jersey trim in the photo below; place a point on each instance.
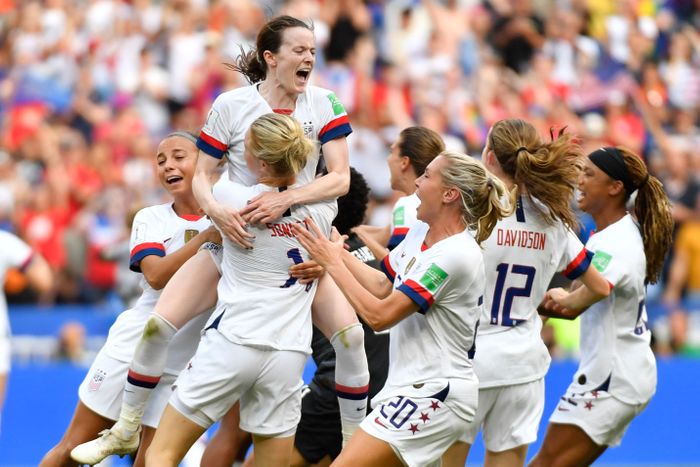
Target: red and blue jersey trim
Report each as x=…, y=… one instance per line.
x=141, y=251
x=418, y=294
x=579, y=265
x=385, y=266
x=211, y=146
x=397, y=237
x=335, y=129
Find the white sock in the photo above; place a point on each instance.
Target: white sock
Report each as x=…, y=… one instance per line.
x=351, y=377
x=145, y=371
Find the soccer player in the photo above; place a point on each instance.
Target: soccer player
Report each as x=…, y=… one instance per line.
x=256, y=348
x=163, y=237
x=522, y=255
x=279, y=69
x=616, y=377
x=409, y=156
x=15, y=253
x=430, y=299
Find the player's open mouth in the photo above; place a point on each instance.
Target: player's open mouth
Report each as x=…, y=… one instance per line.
x=173, y=179
x=303, y=74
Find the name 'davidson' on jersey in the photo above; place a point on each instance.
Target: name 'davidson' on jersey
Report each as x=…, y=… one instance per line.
x=521, y=238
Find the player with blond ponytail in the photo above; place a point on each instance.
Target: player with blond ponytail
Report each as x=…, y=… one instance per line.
x=521, y=256
x=431, y=297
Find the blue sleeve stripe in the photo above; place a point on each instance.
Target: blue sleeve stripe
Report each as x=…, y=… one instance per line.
x=422, y=303
x=385, y=266
x=337, y=132
x=395, y=240
x=581, y=267
x=210, y=150
x=135, y=261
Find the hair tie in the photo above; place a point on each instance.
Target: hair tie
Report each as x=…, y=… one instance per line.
x=521, y=148
x=644, y=182
x=489, y=183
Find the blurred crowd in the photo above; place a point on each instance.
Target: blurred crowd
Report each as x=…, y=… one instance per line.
x=88, y=87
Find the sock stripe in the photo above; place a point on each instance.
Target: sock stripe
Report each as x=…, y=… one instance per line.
x=142, y=381
x=354, y=393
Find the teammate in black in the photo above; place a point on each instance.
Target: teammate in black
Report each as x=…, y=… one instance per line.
x=318, y=439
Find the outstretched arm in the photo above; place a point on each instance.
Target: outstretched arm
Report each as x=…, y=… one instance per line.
x=378, y=305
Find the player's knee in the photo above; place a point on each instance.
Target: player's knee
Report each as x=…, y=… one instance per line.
x=157, y=327
x=349, y=338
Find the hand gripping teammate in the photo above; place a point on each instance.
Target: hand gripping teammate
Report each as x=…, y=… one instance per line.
x=409, y=157
x=431, y=299
x=163, y=237
x=279, y=68
x=521, y=256
x=616, y=376
x=255, y=349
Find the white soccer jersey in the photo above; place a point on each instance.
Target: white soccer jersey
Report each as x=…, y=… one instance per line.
x=402, y=218
x=259, y=303
x=615, y=352
x=319, y=111
x=14, y=253
x=521, y=256
x=447, y=282
x=156, y=230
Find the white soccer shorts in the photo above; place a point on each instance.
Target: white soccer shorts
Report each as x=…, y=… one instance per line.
x=267, y=382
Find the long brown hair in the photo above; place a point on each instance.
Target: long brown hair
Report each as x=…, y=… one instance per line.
x=549, y=172
x=251, y=64
x=652, y=209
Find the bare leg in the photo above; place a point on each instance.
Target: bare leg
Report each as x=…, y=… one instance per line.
x=367, y=451
x=511, y=457
x=566, y=445
x=174, y=437
x=456, y=455
x=147, y=434
x=272, y=452
x=190, y=292
x=84, y=426
x=229, y=442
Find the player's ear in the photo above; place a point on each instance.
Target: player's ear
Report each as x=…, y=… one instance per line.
x=269, y=58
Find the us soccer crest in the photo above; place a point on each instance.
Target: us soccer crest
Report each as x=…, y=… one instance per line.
x=97, y=377
x=308, y=129
x=190, y=234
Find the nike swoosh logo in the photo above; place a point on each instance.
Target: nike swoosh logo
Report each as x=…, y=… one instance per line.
x=360, y=409
x=376, y=420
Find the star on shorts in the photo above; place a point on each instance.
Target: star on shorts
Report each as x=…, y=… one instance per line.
x=434, y=405
x=414, y=428
x=424, y=417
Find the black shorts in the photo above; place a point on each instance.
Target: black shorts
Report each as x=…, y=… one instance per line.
x=318, y=433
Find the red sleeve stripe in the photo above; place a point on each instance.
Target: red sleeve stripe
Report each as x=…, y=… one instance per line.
x=579, y=265
x=212, y=142
x=332, y=124
x=418, y=294
x=144, y=246
x=386, y=268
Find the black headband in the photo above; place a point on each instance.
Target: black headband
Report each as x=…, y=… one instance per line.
x=611, y=161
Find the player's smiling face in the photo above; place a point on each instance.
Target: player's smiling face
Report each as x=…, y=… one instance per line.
x=430, y=190
x=291, y=66
x=593, y=188
x=175, y=163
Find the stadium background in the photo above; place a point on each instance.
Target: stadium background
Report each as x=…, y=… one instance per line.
x=87, y=88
